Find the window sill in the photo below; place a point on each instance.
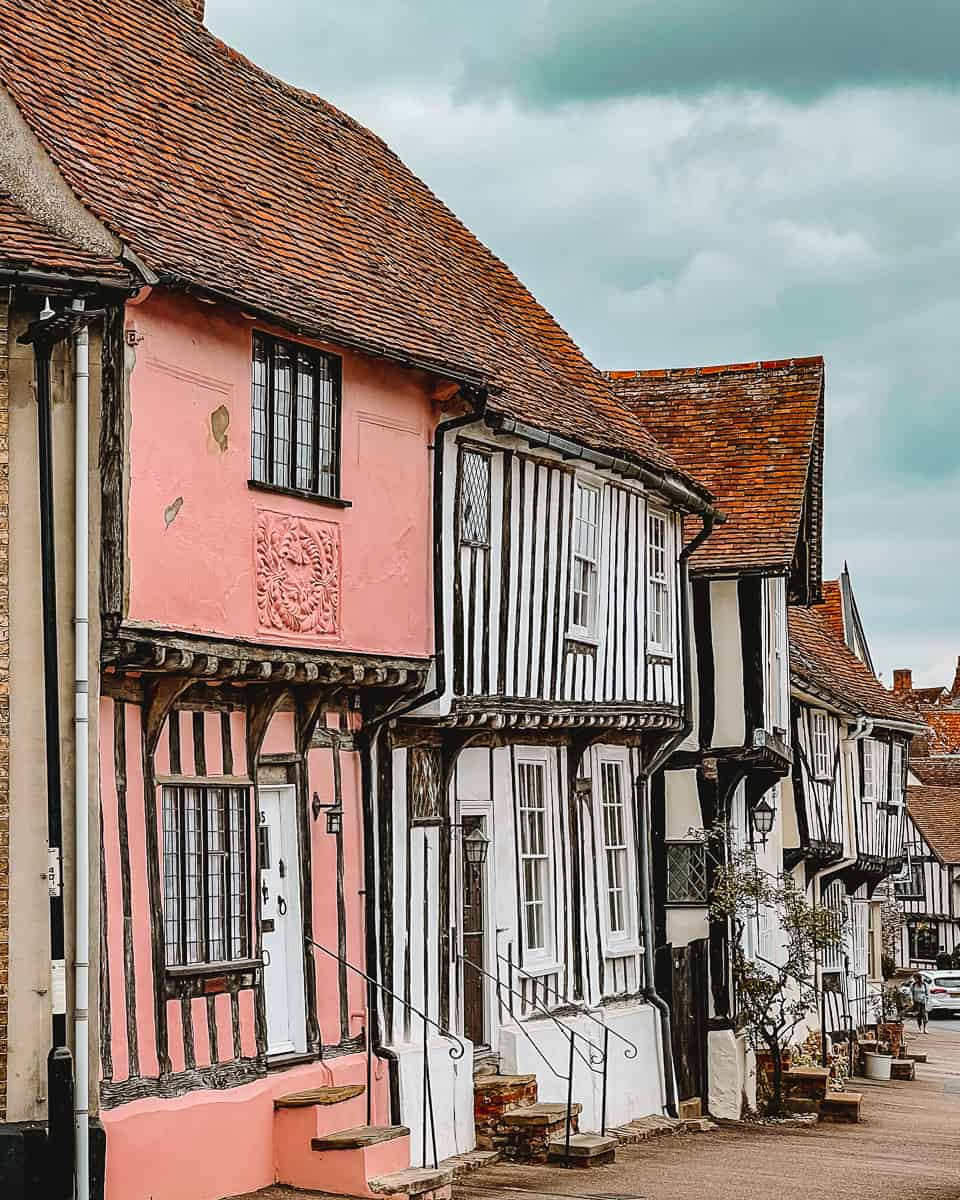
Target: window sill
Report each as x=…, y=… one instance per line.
x=622, y=949
x=204, y=970
x=658, y=655
x=575, y=638
x=538, y=968
x=329, y=501
x=686, y=904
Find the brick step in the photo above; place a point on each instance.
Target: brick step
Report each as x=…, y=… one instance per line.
x=903, y=1068
x=359, y=1138
x=689, y=1110
x=412, y=1181
x=810, y=1083
x=585, y=1150
x=801, y=1105
x=322, y=1096
x=841, y=1107
x=539, y=1114
x=501, y=1083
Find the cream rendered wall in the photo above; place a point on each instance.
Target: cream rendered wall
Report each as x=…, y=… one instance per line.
x=728, y=663
x=29, y=924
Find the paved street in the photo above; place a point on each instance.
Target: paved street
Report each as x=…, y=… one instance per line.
x=907, y=1147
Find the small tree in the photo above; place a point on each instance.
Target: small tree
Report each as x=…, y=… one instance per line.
x=774, y=997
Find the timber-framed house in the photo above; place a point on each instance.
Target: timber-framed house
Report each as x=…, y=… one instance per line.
x=846, y=795
x=378, y=566
x=928, y=889
x=755, y=432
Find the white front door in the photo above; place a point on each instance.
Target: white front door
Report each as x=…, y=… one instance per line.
x=282, y=922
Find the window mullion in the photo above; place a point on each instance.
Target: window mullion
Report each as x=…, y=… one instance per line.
x=294, y=414
x=204, y=874
x=270, y=401
x=180, y=799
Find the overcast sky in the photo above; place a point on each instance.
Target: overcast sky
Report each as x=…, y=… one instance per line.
x=684, y=182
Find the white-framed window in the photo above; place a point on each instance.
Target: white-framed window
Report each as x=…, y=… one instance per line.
x=618, y=857
x=869, y=769
x=536, y=859
x=821, y=744
x=659, y=575
x=896, y=791
x=585, y=561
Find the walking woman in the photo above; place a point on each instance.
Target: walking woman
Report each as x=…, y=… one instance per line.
x=920, y=995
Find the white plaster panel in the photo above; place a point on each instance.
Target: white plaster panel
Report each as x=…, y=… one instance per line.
x=682, y=805
x=728, y=663
x=685, y=925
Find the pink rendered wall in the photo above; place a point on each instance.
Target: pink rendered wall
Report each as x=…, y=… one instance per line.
x=193, y=519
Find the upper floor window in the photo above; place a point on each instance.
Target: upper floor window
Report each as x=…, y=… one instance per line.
x=536, y=860
x=869, y=769
x=475, y=498
x=686, y=873
x=206, y=875
x=295, y=417
x=777, y=635
x=585, y=570
x=910, y=888
x=821, y=745
x=658, y=583
x=896, y=771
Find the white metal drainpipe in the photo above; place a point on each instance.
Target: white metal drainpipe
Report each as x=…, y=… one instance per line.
x=81, y=688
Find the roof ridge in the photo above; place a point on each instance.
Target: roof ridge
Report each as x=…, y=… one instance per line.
x=764, y=364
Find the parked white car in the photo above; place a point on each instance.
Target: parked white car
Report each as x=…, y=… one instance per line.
x=944, y=989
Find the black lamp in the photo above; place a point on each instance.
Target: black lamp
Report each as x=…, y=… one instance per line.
x=475, y=847
x=762, y=816
x=334, y=813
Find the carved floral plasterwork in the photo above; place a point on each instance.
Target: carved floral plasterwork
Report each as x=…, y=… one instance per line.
x=297, y=575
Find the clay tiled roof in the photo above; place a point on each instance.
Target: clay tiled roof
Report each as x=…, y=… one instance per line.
x=936, y=813
x=753, y=434
x=221, y=177
x=937, y=772
x=822, y=661
x=942, y=735
x=25, y=243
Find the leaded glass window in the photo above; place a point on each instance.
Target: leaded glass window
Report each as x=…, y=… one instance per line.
x=686, y=873
x=295, y=417
x=475, y=498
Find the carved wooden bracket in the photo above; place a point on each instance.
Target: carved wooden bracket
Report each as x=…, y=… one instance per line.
x=160, y=695
x=262, y=705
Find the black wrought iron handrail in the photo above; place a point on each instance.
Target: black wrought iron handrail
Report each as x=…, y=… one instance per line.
x=456, y=1051
x=632, y=1048
x=593, y=1064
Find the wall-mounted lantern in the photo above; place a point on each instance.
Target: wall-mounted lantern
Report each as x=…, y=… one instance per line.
x=475, y=847
x=333, y=810
x=762, y=817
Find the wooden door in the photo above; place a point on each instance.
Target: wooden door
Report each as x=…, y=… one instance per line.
x=683, y=981
x=474, y=943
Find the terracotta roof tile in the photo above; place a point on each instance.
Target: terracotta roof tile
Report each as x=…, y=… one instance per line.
x=752, y=433
x=936, y=813
x=937, y=772
x=222, y=177
x=942, y=735
x=821, y=659
x=26, y=243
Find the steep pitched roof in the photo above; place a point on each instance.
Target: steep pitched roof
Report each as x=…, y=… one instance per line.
x=224, y=179
x=753, y=434
x=940, y=771
x=936, y=813
x=822, y=662
x=26, y=243
x=832, y=610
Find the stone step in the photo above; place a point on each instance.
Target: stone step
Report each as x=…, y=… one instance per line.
x=841, y=1107
x=501, y=1083
x=689, y=1110
x=470, y=1161
x=539, y=1114
x=811, y=1083
x=360, y=1137
x=917, y=1058
x=645, y=1128
x=322, y=1096
x=903, y=1068
x=585, y=1149
x=412, y=1181
x=801, y=1104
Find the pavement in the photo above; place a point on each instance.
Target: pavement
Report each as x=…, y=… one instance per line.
x=906, y=1147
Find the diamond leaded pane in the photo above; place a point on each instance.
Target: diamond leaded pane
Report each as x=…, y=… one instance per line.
x=475, y=497
x=423, y=782
x=686, y=873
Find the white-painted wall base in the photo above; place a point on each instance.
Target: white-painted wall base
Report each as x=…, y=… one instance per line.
x=634, y=1085
x=732, y=1070
x=451, y=1083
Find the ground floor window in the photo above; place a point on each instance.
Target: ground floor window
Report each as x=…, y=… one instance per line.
x=924, y=938
x=533, y=818
x=206, y=875
x=686, y=873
